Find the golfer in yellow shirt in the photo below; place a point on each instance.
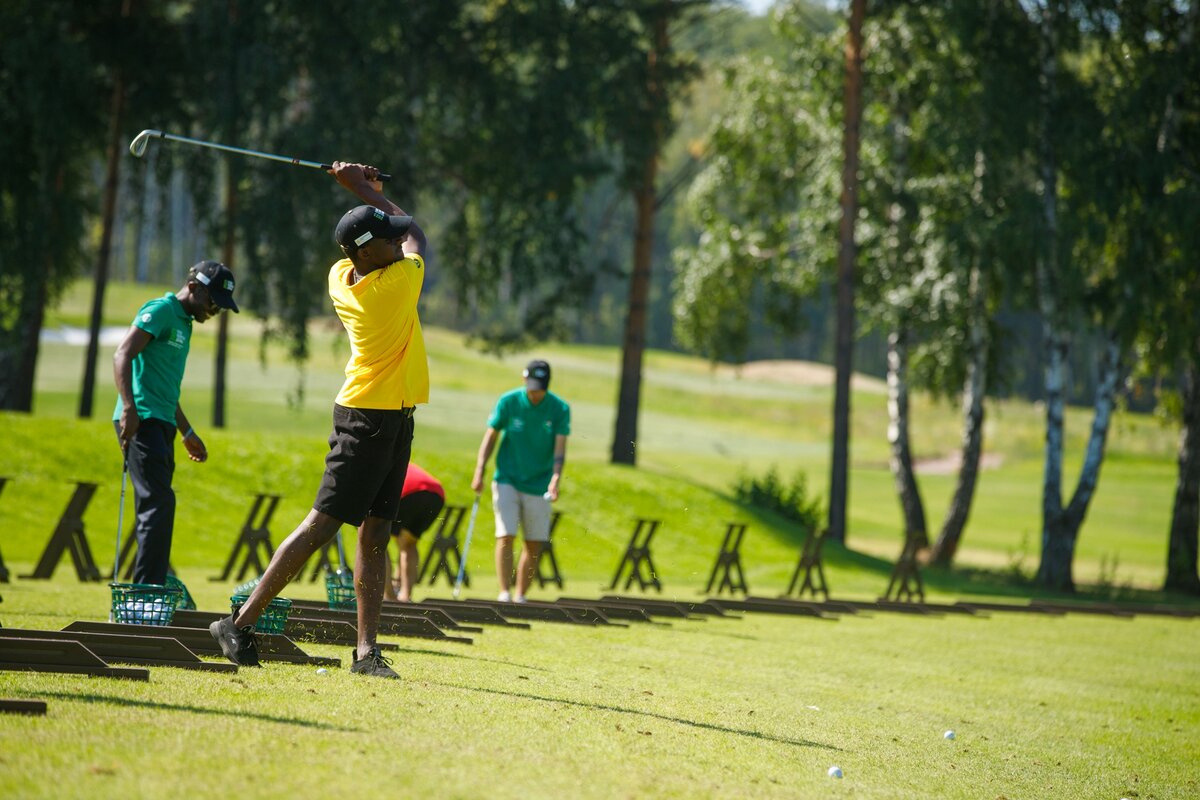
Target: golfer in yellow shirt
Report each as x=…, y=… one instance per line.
x=375, y=289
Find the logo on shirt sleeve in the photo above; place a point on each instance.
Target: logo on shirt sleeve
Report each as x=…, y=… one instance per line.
x=145, y=317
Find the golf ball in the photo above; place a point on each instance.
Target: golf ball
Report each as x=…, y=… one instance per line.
x=321, y=670
x=547, y=496
x=835, y=772
x=948, y=735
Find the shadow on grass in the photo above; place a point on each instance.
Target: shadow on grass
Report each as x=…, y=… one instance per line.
x=125, y=701
x=708, y=632
x=649, y=714
x=415, y=651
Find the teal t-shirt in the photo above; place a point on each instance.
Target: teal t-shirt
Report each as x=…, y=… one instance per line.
x=158, y=369
x=526, y=457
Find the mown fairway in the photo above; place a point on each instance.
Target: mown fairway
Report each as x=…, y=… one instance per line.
x=760, y=706
x=1074, y=706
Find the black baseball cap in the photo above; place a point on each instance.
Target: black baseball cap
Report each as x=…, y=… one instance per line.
x=360, y=225
x=538, y=373
x=219, y=280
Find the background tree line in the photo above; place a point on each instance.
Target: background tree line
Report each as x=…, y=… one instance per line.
x=659, y=173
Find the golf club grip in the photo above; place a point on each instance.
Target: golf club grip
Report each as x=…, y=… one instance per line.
x=383, y=176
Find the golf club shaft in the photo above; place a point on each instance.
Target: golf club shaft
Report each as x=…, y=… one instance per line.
x=137, y=147
x=120, y=517
x=462, y=563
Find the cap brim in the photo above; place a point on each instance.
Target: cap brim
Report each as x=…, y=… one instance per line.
x=397, y=226
x=226, y=301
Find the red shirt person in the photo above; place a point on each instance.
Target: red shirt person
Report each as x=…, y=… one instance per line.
x=421, y=500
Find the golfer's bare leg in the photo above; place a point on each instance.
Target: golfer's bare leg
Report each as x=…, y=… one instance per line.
x=409, y=560
x=504, y=558
x=312, y=534
x=527, y=566
x=370, y=573
x=389, y=586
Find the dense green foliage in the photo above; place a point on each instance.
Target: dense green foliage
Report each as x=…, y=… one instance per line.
x=790, y=500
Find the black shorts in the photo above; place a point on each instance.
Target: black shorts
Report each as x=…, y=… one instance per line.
x=368, y=458
x=417, y=512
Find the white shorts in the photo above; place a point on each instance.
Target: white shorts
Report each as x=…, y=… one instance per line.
x=532, y=511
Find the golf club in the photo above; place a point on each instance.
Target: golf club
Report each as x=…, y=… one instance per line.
x=120, y=523
x=462, y=563
x=138, y=146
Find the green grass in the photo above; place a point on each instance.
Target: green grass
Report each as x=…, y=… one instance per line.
x=760, y=706
x=699, y=429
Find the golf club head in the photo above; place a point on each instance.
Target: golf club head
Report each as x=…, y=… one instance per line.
x=138, y=146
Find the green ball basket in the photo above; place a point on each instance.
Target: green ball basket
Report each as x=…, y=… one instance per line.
x=144, y=603
x=186, y=602
x=339, y=586
x=274, y=617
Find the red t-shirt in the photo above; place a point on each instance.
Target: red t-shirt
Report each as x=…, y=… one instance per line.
x=418, y=480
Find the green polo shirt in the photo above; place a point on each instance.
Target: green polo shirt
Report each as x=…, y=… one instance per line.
x=526, y=457
x=158, y=369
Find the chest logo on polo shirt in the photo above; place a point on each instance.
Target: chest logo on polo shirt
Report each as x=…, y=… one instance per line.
x=548, y=425
x=518, y=425
x=177, y=339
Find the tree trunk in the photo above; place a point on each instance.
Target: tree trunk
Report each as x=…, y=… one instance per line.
x=901, y=458
x=839, y=478
x=1183, y=546
x=1182, y=543
x=1058, y=542
x=20, y=344
x=633, y=346
x=31, y=328
x=1057, y=551
x=100, y=281
x=974, y=390
x=1054, y=573
x=218, y=409
x=1106, y=395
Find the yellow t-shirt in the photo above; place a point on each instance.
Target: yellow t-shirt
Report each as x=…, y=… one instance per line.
x=387, y=367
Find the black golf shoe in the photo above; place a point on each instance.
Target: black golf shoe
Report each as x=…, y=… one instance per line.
x=238, y=644
x=375, y=664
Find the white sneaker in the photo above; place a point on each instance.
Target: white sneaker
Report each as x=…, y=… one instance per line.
x=504, y=597
x=519, y=598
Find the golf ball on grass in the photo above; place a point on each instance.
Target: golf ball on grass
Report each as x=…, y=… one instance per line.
x=835, y=772
x=322, y=671
x=948, y=735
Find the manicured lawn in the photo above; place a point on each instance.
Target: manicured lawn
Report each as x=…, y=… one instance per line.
x=760, y=706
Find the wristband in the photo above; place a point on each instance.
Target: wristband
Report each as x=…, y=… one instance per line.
x=189, y=433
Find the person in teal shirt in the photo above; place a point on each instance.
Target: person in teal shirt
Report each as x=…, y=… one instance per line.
x=535, y=424
x=148, y=370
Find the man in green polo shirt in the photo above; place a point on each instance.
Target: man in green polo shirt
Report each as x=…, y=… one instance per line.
x=535, y=424
x=148, y=370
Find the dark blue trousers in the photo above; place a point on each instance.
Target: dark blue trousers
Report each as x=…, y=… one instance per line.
x=151, y=457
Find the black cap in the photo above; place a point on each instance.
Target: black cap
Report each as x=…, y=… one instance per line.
x=219, y=280
x=360, y=225
x=537, y=374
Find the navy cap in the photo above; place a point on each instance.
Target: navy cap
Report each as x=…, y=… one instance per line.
x=537, y=374
x=219, y=280
x=360, y=225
